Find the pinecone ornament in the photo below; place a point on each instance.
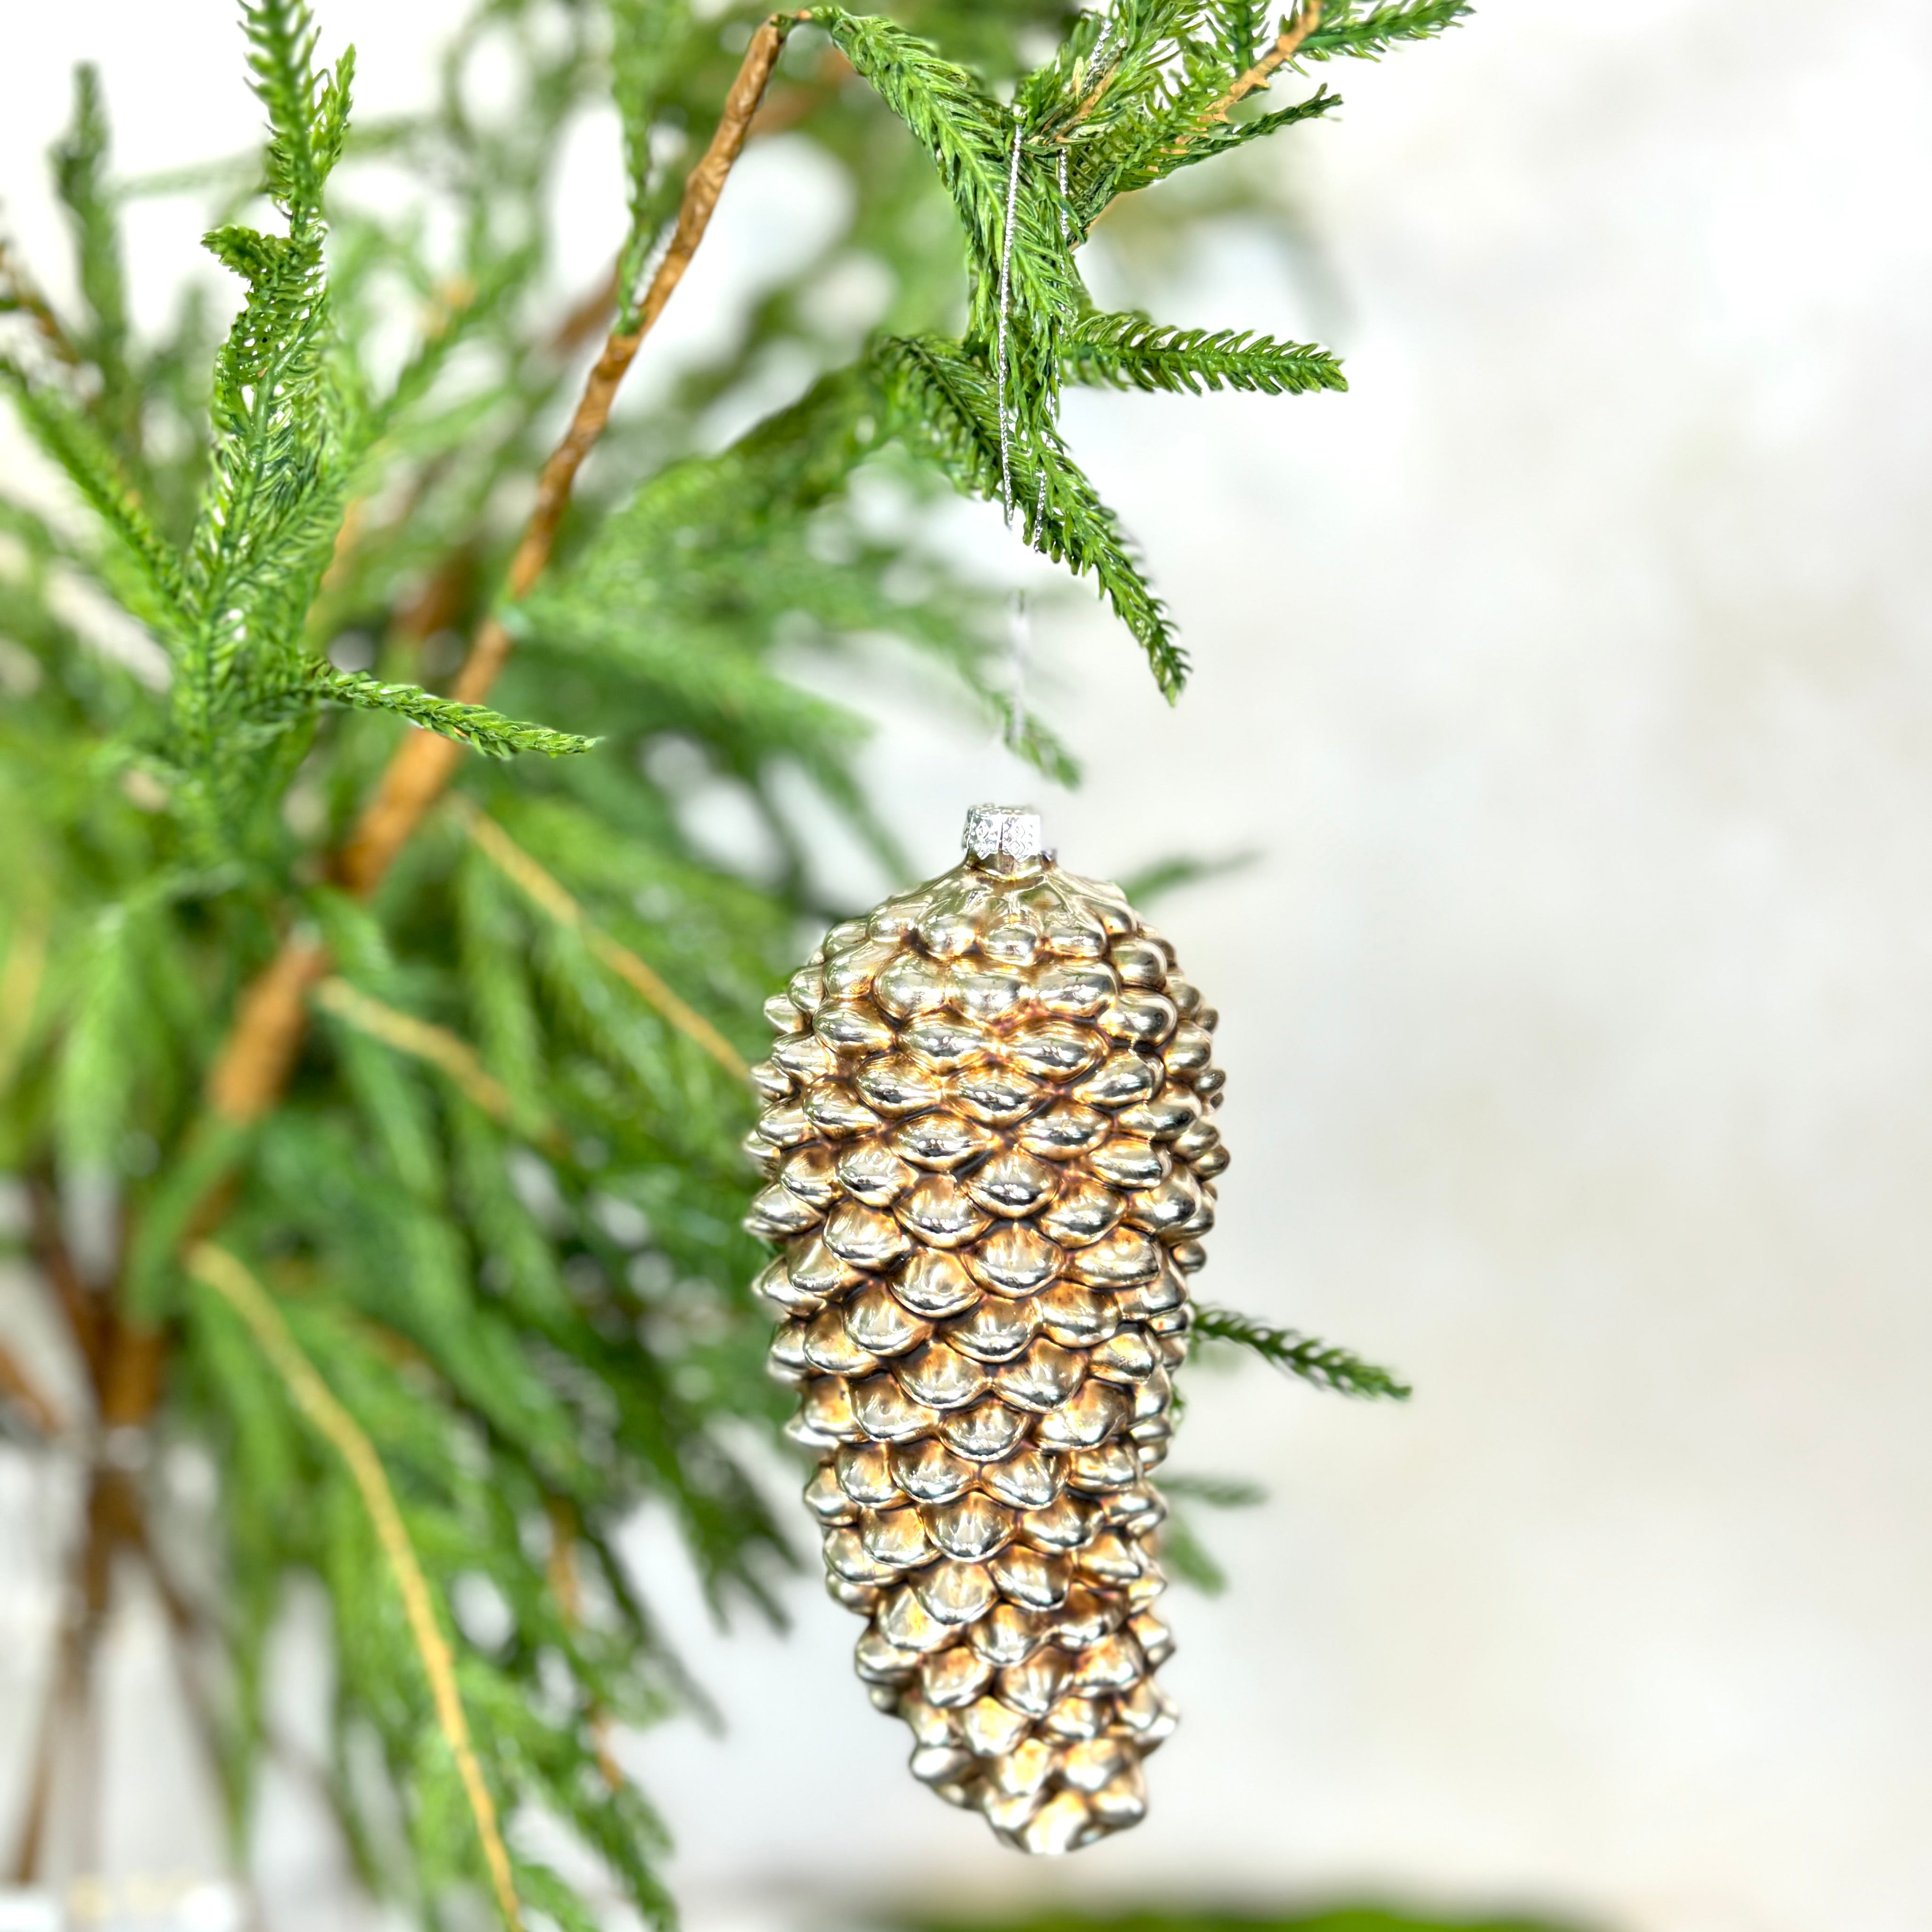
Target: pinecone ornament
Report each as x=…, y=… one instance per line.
x=986, y=1127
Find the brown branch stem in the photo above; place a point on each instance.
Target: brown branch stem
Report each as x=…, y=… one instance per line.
x=20, y=1387
x=254, y=1065
x=67, y=1717
x=424, y=763
x=1288, y=42
x=220, y=1271
x=421, y=1039
x=19, y=289
x=79, y=1304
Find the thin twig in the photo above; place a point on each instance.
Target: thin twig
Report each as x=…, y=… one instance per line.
x=554, y=898
x=78, y=1302
x=254, y=1063
x=29, y=1396
x=256, y=1059
x=19, y=290
x=221, y=1271
x=424, y=763
x=423, y=1039
x=68, y=1718
x=188, y=1627
x=37, y=1809
x=1287, y=42
x=561, y=1570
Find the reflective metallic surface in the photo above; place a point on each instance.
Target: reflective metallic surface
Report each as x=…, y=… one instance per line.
x=986, y=1134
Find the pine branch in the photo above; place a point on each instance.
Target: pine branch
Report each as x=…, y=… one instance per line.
x=1023, y=285
x=280, y=462
x=416, y=778
x=473, y=725
x=1129, y=351
x=943, y=407
x=22, y=976
x=1348, y=31
x=153, y=579
x=1190, y=1561
x=218, y=1269
x=1321, y=1362
x=308, y=116
x=1169, y=875
x=80, y=177
x=447, y=1051
x=255, y=1061
x=945, y=110
x=543, y=891
x=1216, y=138
x=1294, y=32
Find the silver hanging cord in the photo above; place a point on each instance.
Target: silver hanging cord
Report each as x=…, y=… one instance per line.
x=1006, y=301
x=1097, y=61
x=1019, y=644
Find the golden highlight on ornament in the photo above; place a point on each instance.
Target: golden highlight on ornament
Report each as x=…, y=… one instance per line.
x=986, y=1125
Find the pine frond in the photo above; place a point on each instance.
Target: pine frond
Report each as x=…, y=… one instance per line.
x=1215, y=1491
x=1322, y=1363
x=1183, y=1552
x=153, y=578
x=476, y=725
x=1223, y=137
x=971, y=142
x=1170, y=875
x=1130, y=351
x=80, y=178
x=308, y=114
x=948, y=113
x=279, y=463
x=1349, y=29
x=943, y=406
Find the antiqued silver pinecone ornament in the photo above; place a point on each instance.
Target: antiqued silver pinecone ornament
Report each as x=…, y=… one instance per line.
x=986, y=1123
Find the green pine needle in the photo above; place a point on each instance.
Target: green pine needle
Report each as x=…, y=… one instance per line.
x=1223, y=1492
x=944, y=406
x=150, y=576
x=1366, y=33
x=80, y=177
x=1169, y=875
x=1135, y=351
x=1320, y=1363
x=481, y=729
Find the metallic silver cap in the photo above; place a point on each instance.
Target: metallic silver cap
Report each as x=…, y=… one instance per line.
x=992, y=829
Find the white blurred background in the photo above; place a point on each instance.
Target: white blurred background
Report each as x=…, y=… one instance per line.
x=1572, y=677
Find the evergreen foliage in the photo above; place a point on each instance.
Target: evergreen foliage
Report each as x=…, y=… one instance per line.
x=1321, y=1362
x=1182, y=1918
x=480, y=1256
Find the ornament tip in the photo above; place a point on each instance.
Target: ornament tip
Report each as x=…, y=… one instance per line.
x=1013, y=830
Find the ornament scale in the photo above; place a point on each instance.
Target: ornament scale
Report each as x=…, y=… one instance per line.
x=984, y=1125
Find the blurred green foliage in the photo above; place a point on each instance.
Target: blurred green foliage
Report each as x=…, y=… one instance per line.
x=1330, y=1918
